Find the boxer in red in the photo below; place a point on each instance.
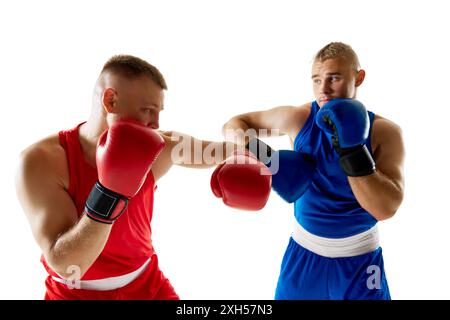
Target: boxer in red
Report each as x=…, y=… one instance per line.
x=88, y=192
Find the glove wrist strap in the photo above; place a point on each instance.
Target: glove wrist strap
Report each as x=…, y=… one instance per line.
x=104, y=205
x=262, y=151
x=357, y=162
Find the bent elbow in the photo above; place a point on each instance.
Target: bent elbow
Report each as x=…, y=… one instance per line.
x=68, y=270
x=390, y=207
x=385, y=214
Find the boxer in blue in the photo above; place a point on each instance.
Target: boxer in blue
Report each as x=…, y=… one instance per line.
x=348, y=169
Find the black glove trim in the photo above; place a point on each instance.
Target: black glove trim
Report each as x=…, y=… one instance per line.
x=261, y=150
x=357, y=162
x=101, y=203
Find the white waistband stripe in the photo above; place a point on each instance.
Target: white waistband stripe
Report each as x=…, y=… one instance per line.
x=361, y=243
x=104, y=284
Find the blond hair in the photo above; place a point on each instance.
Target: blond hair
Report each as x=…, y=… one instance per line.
x=338, y=50
x=131, y=67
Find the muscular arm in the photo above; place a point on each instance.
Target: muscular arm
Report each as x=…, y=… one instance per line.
x=272, y=122
x=187, y=151
x=66, y=242
x=381, y=193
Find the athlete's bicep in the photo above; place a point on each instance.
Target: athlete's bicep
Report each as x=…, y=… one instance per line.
x=275, y=120
x=284, y=120
x=390, y=153
x=47, y=205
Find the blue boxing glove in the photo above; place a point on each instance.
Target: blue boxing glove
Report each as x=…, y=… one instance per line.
x=293, y=175
x=292, y=171
x=348, y=123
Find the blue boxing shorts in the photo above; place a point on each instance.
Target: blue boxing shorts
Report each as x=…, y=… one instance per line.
x=317, y=268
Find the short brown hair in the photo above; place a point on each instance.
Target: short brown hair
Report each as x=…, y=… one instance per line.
x=132, y=67
x=338, y=50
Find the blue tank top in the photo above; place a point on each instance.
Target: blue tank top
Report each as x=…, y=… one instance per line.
x=328, y=208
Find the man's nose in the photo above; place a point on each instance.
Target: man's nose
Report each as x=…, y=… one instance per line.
x=154, y=121
x=325, y=87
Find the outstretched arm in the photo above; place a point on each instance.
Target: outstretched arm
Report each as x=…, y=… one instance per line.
x=186, y=151
x=277, y=121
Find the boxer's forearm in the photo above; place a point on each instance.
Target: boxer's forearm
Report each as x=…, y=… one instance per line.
x=190, y=152
x=75, y=250
x=260, y=124
x=208, y=154
x=234, y=130
x=377, y=194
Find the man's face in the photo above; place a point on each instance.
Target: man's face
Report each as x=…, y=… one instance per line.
x=334, y=78
x=140, y=99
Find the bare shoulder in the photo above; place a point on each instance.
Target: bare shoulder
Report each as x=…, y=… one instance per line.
x=302, y=112
x=384, y=130
x=44, y=158
x=381, y=124
x=41, y=184
x=388, y=146
x=298, y=115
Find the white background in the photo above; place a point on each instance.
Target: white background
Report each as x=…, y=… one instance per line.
x=221, y=58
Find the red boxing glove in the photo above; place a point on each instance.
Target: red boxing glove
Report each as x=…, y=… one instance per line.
x=242, y=181
x=125, y=153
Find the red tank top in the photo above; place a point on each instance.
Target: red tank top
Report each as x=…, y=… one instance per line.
x=129, y=244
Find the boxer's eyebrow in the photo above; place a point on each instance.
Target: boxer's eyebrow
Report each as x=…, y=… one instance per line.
x=160, y=107
x=154, y=104
x=327, y=74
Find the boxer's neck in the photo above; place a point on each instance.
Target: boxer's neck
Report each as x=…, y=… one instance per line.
x=89, y=134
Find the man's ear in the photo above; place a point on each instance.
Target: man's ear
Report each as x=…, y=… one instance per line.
x=360, y=77
x=109, y=99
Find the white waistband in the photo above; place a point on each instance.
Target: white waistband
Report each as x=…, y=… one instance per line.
x=361, y=243
x=104, y=284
